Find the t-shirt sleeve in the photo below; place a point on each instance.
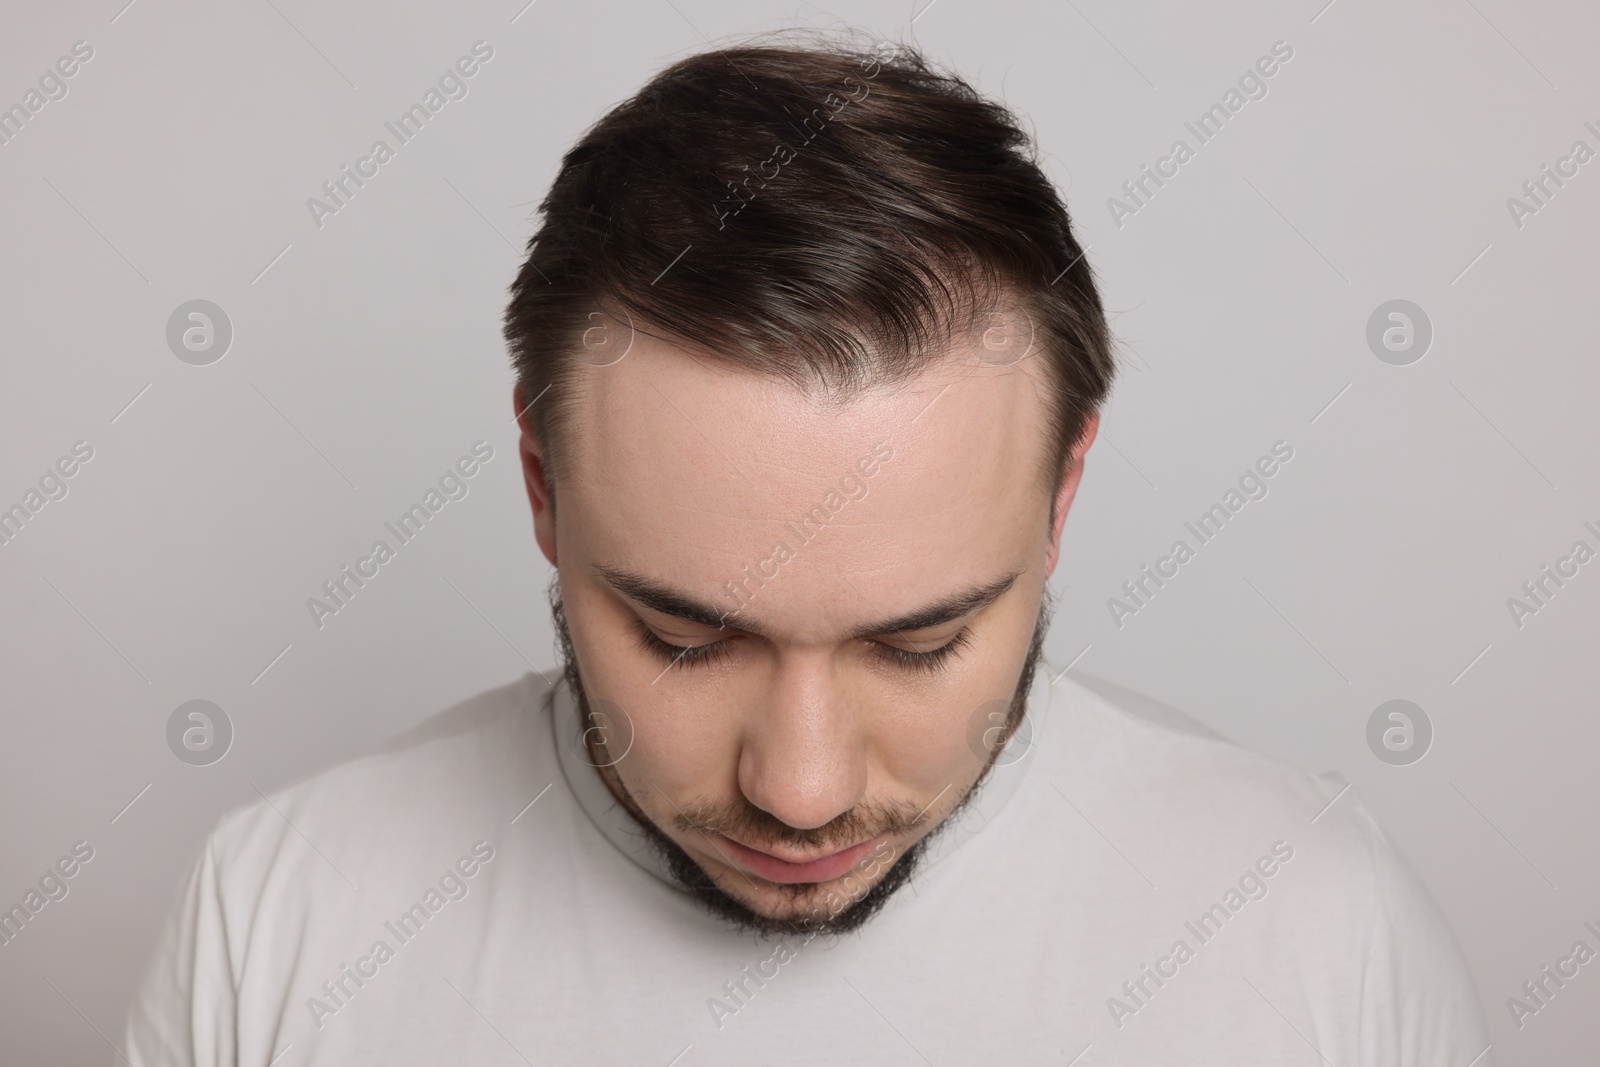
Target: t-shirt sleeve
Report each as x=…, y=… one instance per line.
x=182, y=1014
x=1419, y=1005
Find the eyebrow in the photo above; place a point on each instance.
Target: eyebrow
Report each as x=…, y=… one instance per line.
x=668, y=601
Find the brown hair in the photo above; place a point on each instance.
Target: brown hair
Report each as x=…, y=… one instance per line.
x=828, y=213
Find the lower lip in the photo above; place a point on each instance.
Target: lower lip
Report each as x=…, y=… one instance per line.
x=774, y=869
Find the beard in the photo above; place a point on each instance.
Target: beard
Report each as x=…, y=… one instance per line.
x=747, y=823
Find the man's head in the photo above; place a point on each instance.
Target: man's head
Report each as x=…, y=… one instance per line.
x=810, y=358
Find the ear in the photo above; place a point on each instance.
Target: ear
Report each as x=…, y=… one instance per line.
x=1068, y=490
x=535, y=476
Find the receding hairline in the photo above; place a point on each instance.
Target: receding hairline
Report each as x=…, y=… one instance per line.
x=921, y=182
x=559, y=444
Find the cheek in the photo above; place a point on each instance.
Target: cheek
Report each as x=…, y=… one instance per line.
x=933, y=734
x=685, y=736
x=683, y=754
x=678, y=734
x=923, y=746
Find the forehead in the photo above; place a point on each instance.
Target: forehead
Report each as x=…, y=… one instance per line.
x=694, y=472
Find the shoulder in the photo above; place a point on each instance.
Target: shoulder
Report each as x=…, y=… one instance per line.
x=1212, y=821
x=443, y=776
x=1202, y=810
x=287, y=887
x=1203, y=795
x=1119, y=739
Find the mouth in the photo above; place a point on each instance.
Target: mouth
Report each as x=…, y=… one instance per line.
x=784, y=871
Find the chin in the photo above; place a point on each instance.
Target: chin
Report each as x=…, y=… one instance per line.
x=768, y=909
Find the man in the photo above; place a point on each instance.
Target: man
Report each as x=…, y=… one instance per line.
x=809, y=361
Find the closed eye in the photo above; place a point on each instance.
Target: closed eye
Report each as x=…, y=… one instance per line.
x=685, y=656
x=678, y=655
x=931, y=660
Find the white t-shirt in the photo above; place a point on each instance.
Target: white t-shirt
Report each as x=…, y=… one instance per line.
x=1127, y=888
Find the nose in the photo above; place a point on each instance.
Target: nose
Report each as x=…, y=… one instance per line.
x=804, y=757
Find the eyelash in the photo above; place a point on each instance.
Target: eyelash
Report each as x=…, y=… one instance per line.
x=679, y=655
x=932, y=660
x=700, y=655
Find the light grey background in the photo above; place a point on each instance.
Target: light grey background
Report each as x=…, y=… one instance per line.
x=367, y=357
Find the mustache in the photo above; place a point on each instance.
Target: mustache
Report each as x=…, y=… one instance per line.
x=750, y=825
x=746, y=823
